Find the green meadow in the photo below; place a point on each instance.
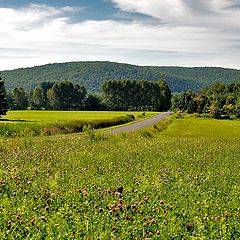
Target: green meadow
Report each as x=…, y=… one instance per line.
x=180, y=183
x=34, y=123
x=49, y=116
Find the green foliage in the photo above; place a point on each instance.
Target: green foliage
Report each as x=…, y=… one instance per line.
x=137, y=95
x=93, y=74
x=182, y=183
x=94, y=102
x=10, y=100
x=237, y=109
x=219, y=100
x=204, y=76
x=63, y=95
x=20, y=99
x=38, y=100
x=3, y=100
x=66, y=96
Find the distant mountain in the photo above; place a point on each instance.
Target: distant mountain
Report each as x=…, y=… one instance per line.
x=92, y=74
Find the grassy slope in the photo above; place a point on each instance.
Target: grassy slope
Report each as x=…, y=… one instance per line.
x=92, y=74
x=177, y=184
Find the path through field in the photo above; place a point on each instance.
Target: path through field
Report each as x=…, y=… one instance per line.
x=138, y=125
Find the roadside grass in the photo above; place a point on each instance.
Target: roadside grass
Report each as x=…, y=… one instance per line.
x=180, y=183
x=35, y=123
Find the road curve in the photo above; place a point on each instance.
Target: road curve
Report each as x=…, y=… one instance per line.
x=138, y=125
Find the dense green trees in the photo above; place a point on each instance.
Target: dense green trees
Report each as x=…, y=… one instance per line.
x=220, y=100
x=94, y=102
x=137, y=95
x=66, y=96
x=58, y=96
x=3, y=100
x=118, y=95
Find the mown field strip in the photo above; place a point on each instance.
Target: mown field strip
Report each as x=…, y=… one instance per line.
x=46, y=116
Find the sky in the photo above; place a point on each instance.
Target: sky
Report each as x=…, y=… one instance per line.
x=142, y=32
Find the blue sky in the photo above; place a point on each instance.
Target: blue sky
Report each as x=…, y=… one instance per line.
x=143, y=32
x=95, y=9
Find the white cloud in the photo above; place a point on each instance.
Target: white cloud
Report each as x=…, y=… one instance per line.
x=38, y=34
x=204, y=13
x=166, y=9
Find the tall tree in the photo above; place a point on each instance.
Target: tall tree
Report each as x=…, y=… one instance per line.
x=166, y=96
x=3, y=100
x=20, y=99
x=10, y=100
x=45, y=86
x=37, y=99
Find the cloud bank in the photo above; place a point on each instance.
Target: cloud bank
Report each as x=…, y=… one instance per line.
x=184, y=32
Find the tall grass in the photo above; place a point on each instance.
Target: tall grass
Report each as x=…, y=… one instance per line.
x=28, y=129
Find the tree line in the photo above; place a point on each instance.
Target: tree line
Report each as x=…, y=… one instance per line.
x=116, y=95
x=219, y=100
x=62, y=95
x=137, y=95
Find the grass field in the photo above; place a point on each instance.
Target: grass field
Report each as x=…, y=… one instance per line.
x=35, y=123
x=183, y=183
x=204, y=127
x=49, y=116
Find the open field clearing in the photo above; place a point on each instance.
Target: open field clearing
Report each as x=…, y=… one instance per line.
x=35, y=123
x=183, y=183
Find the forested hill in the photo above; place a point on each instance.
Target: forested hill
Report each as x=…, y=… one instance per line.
x=92, y=74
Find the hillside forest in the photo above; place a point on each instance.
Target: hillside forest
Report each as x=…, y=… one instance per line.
x=92, y=75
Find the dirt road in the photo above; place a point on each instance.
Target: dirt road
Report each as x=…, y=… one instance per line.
x=138, y=125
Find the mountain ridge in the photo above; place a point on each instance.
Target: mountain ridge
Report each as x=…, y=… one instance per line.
x=92, y=74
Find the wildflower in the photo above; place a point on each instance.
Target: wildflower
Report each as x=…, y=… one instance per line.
x=152, y=221
x=189, y=225
x=43, y=218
